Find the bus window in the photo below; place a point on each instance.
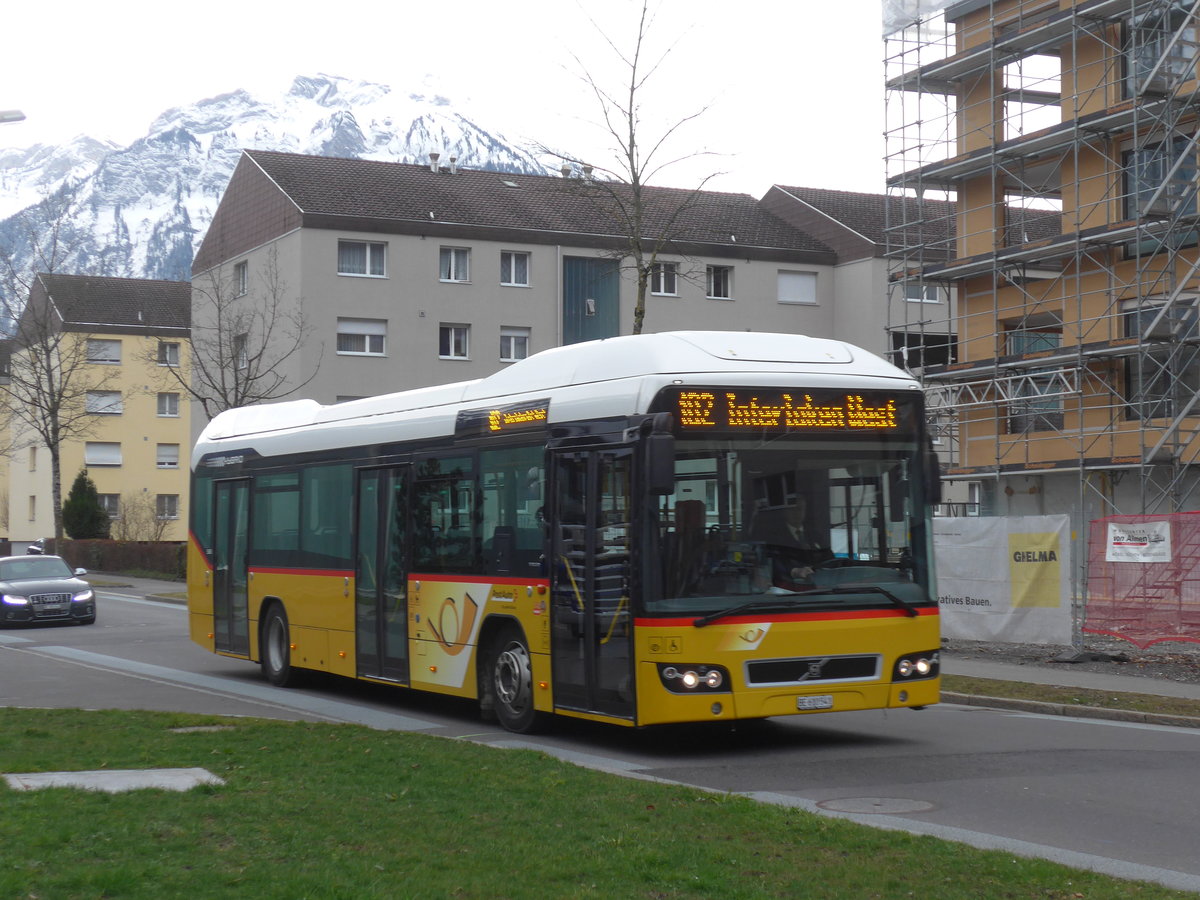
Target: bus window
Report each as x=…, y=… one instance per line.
x=445, y=534
x=325, y=528
x=275, y=521
x=512, y=482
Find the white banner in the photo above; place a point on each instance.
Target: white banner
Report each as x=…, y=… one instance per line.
x=1143, y=542
x=1005, y=578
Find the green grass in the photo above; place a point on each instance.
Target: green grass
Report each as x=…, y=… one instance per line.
x=340, y=811
x=1071, y=696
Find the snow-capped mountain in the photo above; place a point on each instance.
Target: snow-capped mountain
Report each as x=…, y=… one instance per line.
x=140, y=211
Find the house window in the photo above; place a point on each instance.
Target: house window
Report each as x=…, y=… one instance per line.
x=1165, y=375
x=166, y=506
x=454, y=341
x=102, y=351
x=916, y=350
x=362, y=258
x=455, y=264
x=514, y=344
x=32, y=508
x=361, y=337
x=168, y=353
x=33, y=459
x=167, y=456
x=241, y=279
x=1037, y=402
x=111, y=504
x=1160, y=179
x=514, y=268
x=720, y=282
x=1155, y=59
x=915, y=292
x=105, y=403
x=663, y=278
x=101, y=453
x=168, y=405
x=798, y=287
x=241, y=356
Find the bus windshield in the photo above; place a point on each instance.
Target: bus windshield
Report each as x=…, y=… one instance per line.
x=797, y=522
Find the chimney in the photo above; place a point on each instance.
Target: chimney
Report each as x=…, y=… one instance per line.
x=587, y=173
x=454, y=165
x=433, y=159
x=566, y=170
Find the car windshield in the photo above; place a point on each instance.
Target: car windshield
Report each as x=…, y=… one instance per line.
x=793, y=525
x=33, y=567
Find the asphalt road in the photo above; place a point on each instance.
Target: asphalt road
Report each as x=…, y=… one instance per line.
x=1114, y=797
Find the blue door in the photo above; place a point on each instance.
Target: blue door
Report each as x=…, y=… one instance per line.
x=590, y=299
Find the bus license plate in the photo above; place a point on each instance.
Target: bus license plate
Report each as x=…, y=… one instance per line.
x=822, y=701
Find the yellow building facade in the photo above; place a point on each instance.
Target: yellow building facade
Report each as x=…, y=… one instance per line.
x=119, y=362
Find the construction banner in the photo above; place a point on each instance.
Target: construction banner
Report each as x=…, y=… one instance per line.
x=1144, y=578
x=1004, y=579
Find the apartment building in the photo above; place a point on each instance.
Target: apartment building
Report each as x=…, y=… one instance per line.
x=406, y=276
x=106, y=351
x=1063, y=136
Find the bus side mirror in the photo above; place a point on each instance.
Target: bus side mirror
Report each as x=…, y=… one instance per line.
x=660, y=463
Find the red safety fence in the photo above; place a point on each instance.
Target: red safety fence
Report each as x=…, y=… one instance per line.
x=1144, y=578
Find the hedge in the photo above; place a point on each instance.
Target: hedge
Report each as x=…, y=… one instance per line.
x=165, y=558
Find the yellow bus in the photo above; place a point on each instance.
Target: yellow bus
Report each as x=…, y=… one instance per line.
x=677, y=527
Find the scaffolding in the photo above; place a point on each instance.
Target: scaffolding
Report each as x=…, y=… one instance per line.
x=1042, y=171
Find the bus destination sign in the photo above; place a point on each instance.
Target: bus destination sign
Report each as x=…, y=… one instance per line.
x=737, y=409
x=496, y=420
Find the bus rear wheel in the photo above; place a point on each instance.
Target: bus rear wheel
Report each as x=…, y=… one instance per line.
x=274, y=647
x=511, y=673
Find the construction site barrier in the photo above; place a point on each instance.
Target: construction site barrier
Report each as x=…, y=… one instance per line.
x=1143, y=580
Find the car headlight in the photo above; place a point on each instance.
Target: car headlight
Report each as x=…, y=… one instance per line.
x=84, y=596
x=14, y=600
x=694, y=679
x=915, y=666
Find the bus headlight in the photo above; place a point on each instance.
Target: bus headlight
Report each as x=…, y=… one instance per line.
x=915, y=666
x=693, y=679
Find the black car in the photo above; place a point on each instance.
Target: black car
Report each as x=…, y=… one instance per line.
x=44, y=589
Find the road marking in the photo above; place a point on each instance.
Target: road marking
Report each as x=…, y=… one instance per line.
x=332, y=710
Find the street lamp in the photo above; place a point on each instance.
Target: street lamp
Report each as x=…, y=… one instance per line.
x=11, y=115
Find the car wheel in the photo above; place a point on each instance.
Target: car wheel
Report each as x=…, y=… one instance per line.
x=512, y=682
x=274, y=648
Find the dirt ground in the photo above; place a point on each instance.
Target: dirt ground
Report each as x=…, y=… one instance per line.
x=1172, y=661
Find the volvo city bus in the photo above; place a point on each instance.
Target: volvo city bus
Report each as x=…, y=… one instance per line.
x=593, y=532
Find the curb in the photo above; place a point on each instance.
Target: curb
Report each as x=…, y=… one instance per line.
x=1065, y=709
x=159, y=598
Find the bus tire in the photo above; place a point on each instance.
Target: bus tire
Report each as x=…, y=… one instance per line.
x=511, y=673
x=274, y=647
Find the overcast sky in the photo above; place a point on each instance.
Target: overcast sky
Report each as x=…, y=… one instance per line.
x=793, y=88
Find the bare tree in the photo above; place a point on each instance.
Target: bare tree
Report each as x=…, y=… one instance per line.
x=138, y=520
x=41, y=238
x=45, y=397
x=246, y=331
x=647, y=219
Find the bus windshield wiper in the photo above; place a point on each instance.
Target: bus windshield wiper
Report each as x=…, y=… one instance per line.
x=909, y=609
x=754, y=606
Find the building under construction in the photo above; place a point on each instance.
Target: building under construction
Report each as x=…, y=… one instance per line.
x=1042, y=160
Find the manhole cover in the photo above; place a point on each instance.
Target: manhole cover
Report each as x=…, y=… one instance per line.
x=876, y=805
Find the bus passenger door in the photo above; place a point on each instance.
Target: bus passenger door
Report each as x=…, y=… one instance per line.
x=231, y=519
x=592, y=625
x=381, y=574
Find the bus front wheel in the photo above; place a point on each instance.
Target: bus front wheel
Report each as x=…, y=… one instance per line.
x=512, y=683
x=275, y=648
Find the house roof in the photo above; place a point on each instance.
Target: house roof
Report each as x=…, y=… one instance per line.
x=405, y=194
x=100, y=304
x=871, y=215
